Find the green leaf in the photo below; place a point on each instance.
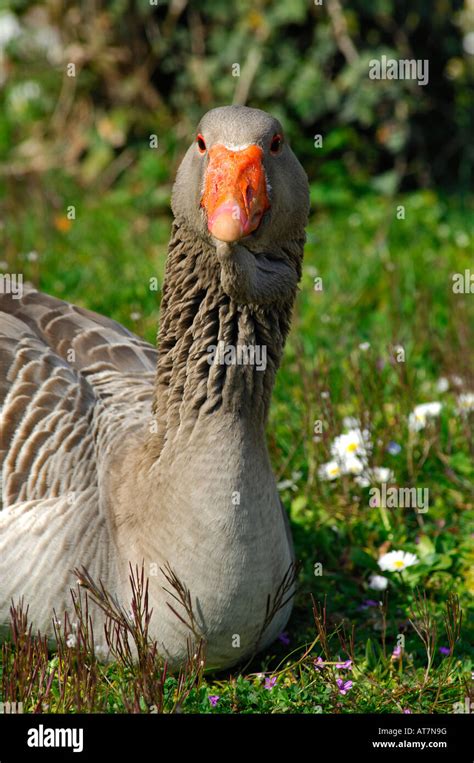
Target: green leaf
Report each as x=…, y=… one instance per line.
x=386, y=183
x=444, y=562
x=462, y=464
x=362, y=559
x=425, y=547
x=373, y=654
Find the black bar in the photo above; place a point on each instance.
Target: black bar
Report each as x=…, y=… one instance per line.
x=340, y=736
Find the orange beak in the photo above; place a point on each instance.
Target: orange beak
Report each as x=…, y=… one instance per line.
x=235, y=193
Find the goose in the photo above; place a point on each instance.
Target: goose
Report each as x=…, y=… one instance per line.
x=115, y=453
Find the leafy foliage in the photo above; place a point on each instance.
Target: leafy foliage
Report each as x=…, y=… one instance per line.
x=143, y=69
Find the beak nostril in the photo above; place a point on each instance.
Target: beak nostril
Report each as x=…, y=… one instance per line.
x=249, y=196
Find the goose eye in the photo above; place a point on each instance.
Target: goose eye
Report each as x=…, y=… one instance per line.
x=275, y=145
x=201, y=143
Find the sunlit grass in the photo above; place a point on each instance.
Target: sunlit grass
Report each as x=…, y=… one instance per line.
x=386, y=285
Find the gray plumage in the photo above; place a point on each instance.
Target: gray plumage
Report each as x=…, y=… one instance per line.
x=113, y=452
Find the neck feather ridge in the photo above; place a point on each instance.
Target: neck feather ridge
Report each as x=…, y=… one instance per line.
x=196, y=316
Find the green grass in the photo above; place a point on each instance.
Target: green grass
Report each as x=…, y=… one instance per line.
x=386, y=282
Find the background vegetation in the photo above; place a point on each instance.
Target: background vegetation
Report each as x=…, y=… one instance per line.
x=387, y=283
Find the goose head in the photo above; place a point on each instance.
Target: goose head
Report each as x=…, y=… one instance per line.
x=240, y=181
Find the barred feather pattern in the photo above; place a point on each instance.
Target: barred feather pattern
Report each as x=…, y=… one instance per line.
x=196, y=313
x=71, y=383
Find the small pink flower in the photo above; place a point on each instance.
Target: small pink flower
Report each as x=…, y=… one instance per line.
x=270, y=683
x=319, y=663
x=213, y=699
x=368, y=603
x=397, y=652
x=344, y=686
x=347, y=665
x=406, y=711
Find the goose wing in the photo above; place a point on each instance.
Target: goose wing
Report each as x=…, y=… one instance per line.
x=70, y=380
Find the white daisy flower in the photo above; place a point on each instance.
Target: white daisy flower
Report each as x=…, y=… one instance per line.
x=329, y=471
x=378, y=582
x=442, y=385
x=350, y=422
x=9, y=28
x=351, y=444
x=377, y=474
x=466, y=402
x=382, y=474
x=22, y=94
x=429, y=409
x=290, y=483
x=418, y=418
x=396, y=561
x=352, y=465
